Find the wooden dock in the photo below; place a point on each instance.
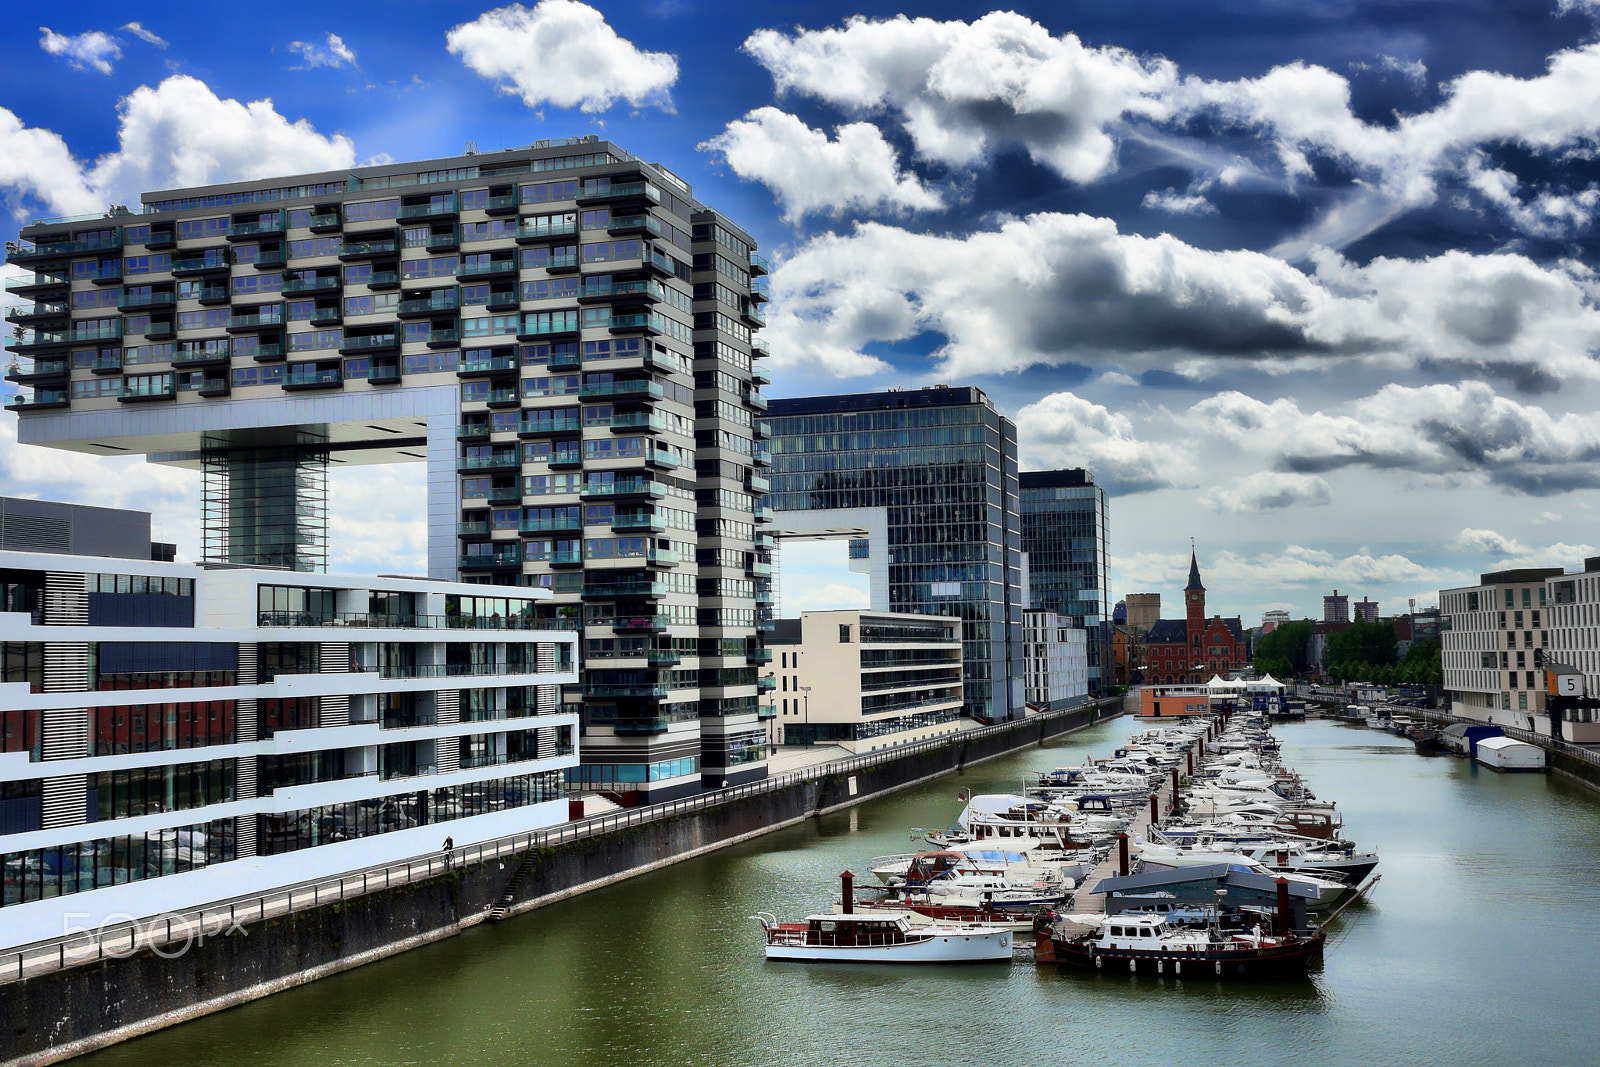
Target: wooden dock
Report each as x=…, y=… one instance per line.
x=1085, y=901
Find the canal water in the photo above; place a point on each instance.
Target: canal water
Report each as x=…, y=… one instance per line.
x=1477, y=946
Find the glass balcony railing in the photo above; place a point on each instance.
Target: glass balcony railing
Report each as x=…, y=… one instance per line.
x=377, y=340
x=647, y=288
x=574, y=522
x=310, y=285
x=498, y=461
x=496, y=266
x=435, y=302
x=507, y=557
x=311, y=375
x=633, y=223
x=638, y=387
x=537, y=228
x=759, y=264
x=493, y=363
x=639, y=420
x=145, y=300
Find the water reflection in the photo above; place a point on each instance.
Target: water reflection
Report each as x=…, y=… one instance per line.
x=667, y=968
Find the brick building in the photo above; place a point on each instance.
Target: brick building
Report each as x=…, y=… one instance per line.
x=1192, y=649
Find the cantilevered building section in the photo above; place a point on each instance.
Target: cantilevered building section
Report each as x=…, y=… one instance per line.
x=561, y=332
x=923, y=483
x=1064, y=521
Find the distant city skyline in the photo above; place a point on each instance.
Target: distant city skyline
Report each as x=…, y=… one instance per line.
x=1312, y=285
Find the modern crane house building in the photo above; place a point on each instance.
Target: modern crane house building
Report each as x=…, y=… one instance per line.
x=560, y=332
x=172, y=735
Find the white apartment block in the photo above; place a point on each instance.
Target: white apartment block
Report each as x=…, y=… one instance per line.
x=1055, y=661
x=1495, y=636
x=867, y=680
x=1574, y=620
x=172, y=735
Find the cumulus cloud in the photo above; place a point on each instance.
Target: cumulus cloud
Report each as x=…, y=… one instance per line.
x=1489, y=542
x=333, y=53
x=1176, y=203
x=808, y=173
x=564, y=53
x=1269, y=491
x=1051, y=289
x=179, y=133
x=138, y=30
x=1065, y=430
x=832, y=596
x=92, y=50
x=963, y=90
x=1464, y=429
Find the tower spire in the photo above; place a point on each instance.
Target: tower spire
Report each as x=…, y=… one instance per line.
x=1194, y=569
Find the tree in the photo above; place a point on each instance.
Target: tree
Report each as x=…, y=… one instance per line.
x=1371, y=643
x=1284, y=650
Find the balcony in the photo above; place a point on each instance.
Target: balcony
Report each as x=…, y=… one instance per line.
x=759, y=264
x=473, y=529
x=754, y=399
x=763, y=428
x=638, y=521
x=369, y=245
x=268, y=259
x=160, y=330
x=41, y=340
x=625, y=225
x=597, y=191
x=766, y=711
x=660, y=460
x=565, y=458
x=443, y=337
x=38, y=285
x=626, y=487
x=663, y=557
x=105, y=274
x=534, y=328
x=659, y=263
x=136, y=391
x=372, y=342
x=39, y=312
x=505, y=494
x=505, y=397
x=212, y=387
x=135, y=301
x=41, y=400
x=446, y=207
x=239, y=231
x=300, y=376
x=213, y=295
x=766, y=540
x=40, y=370
x=759, y=375
x=495, y=268
x=326, y=315
x=472, y=368
x=759, y=291
x=430, y=304
x=639, y=421
x=630, y=726
x=324, y=221
x=637, y=388
x=757, y=569
x=645, y=290
x=499, y=461
x=639, y=624
x=211, y=261
x=311, y=285
x=189, y=354
x=536, y=229
x=509, y=556
x=663, y=657
x=560, y=525
x=267, y=352
x=380, y=280
x=106, y=364
x=564, y=360
x=469, y=431
x=757, y=484
x=502, y=300
x=638, y=320
x=26, y=253
x=256, y=317
x=545, y=427
x=753, y=315
x=759, y=348
x=642, y=690
x=624, y=590
x=763, y=456
x=764, y=513
x=758, y=656
x=447, y=239
x=767, y=683
x=502, y=205
x=161, y=238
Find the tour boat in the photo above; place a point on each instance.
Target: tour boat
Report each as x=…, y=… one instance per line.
x=868, y=937
x=1146, y=944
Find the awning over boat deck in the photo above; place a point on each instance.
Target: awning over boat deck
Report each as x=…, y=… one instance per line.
x=1222, y=874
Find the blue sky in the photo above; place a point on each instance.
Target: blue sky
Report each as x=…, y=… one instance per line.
x=1311, y=282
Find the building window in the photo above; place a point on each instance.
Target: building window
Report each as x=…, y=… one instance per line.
x=844, y=635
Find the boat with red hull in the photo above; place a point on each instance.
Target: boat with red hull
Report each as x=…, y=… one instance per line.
x=1144, y=944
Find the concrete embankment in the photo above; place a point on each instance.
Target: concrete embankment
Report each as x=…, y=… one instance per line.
x=50, y=1017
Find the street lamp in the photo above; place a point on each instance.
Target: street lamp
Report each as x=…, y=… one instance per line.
x=806, y=689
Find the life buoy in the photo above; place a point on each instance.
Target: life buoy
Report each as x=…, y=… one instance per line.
x=1133, y=966
x=1099, y=962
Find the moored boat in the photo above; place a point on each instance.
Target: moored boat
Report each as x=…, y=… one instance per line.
x=881, y=937
x=1148, y=944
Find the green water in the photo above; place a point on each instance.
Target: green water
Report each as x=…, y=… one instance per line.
x=1478, y=946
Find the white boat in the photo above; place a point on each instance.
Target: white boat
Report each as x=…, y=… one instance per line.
x=882, y=938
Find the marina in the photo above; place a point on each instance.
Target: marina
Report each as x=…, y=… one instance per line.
x=667, y=968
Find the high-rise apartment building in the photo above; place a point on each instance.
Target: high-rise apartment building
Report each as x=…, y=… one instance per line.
x=1064, y=523
x=923, y=482
x=561, y=332
x=1365, y=610
x=1336, y=608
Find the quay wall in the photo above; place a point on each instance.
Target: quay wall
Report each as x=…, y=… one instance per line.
x=51, y=1017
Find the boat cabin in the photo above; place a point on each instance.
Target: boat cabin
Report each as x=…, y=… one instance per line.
x=856, y=931
x=1320, y=825
x=1131, y=931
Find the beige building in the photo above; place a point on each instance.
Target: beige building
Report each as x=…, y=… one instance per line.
x=866, y=680
x=1144, y=611
x=1494, y=640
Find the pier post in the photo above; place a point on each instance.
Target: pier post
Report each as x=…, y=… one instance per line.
x=1155, y=815
x=1190, y=754
x=1174, y=805
x=848, y=892
x=1122, y=855
x=1285, y=917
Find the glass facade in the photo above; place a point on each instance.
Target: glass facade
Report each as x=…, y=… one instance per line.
x=1064, y=521
x=942, y=463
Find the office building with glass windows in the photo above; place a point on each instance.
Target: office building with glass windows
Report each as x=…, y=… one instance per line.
x=1064, y=522
x=923, y=483
x=561, y=332
x=173, y=735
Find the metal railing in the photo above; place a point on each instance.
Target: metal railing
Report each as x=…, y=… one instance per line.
x=217, y=919
x=412, y=622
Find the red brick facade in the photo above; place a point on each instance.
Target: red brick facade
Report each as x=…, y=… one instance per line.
x=1190, y=651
